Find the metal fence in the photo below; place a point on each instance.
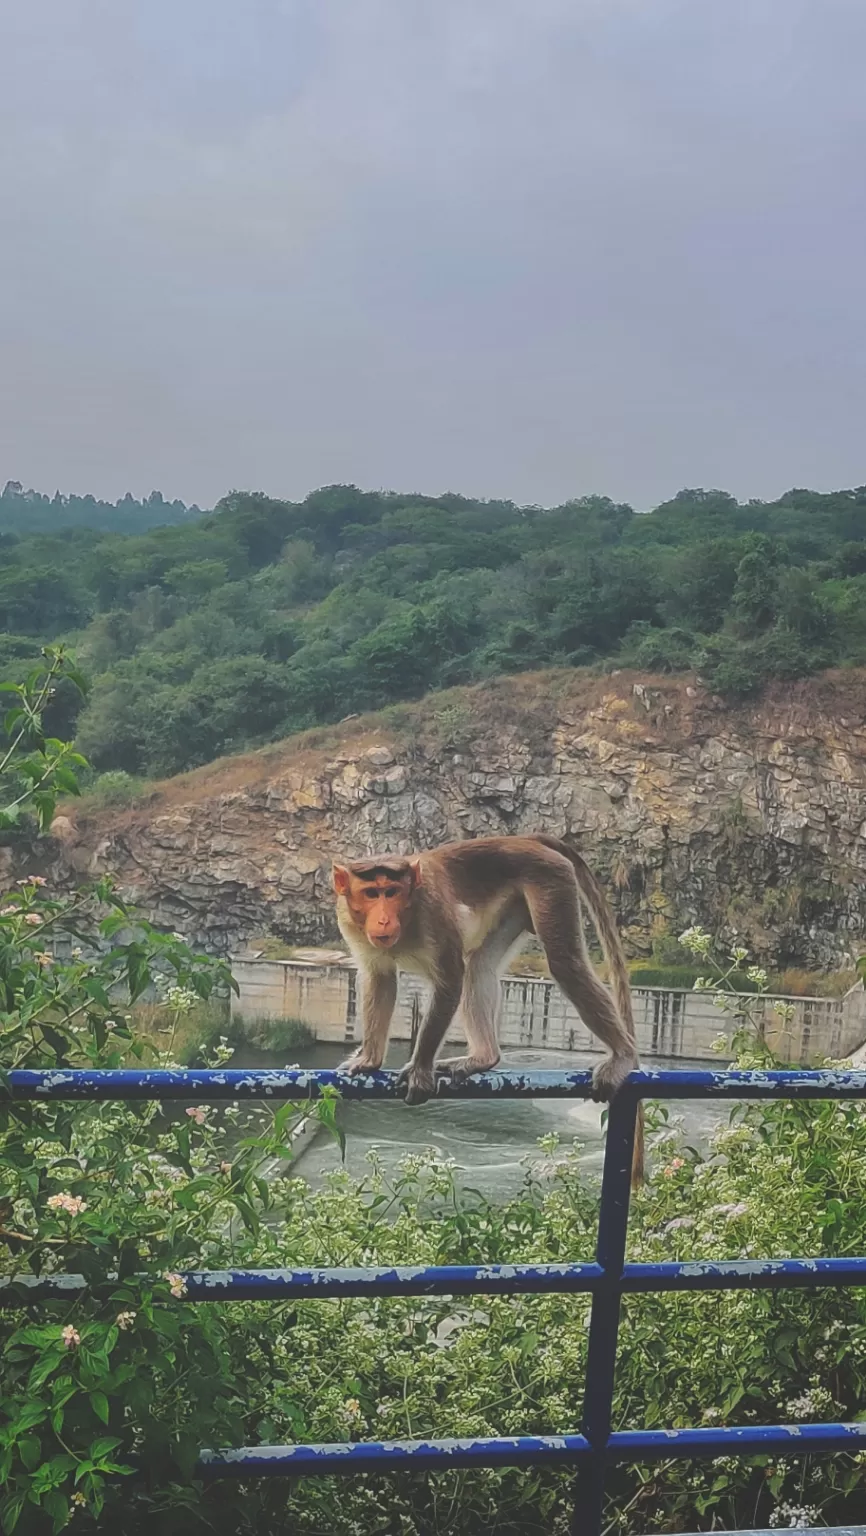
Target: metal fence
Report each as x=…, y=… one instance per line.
x=607, y=1279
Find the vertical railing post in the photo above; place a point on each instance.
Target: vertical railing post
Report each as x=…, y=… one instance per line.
x=604, y=1318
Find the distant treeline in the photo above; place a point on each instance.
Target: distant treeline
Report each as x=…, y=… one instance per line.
x=25, y=512
x=264, y=617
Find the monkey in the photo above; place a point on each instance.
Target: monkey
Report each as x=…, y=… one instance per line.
x=455, y=915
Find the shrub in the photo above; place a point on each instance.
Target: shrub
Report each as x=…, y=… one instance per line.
x=270, y=1034
x=112, y=789
x=107, y=1397
x=144, y=1391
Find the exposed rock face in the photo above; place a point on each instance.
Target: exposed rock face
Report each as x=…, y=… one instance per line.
x=749, y=820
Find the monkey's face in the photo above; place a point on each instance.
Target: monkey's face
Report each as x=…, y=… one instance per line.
x=378, y=898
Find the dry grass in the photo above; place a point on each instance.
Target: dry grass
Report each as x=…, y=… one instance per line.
x=154, y=1025
x=789, y=983
x=530, y=703
x=798, y=983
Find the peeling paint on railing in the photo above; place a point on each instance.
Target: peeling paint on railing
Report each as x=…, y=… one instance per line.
x=607, y=1278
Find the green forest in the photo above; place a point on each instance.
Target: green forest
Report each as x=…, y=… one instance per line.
x=219, y=630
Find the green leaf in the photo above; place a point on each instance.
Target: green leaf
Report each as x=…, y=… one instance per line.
x=247, y=1214
x=60, y=1043
x=103, y=1445
x=29, y=1415
x=30, y=1450
x=42, y=1370
x=99, y=1404
x=11, y=1511
x=56, y=1506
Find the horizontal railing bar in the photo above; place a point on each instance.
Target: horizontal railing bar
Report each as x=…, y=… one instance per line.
x=468, y=1280
x=378, y=1280
x=736, y=1440
x=524, y=1450
x=390, y=1456
x=744, y=1274
x=298, y=1083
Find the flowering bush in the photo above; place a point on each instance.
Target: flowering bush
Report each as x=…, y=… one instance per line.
x=112, y=1383
x=108, y=1397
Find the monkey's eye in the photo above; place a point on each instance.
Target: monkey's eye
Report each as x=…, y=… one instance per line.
x=372, y=893
x=392, y=892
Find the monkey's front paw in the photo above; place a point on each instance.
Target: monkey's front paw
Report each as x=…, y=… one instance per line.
x=419, y=1083
x=359, y=1062
x=609, y=1075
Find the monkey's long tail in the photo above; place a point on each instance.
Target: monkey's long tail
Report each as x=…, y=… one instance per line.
x=605, y=923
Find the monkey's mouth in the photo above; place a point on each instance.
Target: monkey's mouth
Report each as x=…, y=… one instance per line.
x=384, y=940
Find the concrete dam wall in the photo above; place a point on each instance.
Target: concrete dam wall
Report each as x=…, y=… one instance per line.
x=535, y=1014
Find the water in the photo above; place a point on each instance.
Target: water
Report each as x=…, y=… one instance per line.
x=488, y=1140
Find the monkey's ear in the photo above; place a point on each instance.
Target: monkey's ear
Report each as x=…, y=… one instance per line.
x=341, y=879
x=415, y=873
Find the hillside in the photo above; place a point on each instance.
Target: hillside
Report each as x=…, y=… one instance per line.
x=747, y=818
x=266, y=617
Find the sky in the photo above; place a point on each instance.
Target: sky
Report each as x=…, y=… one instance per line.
x=531, y=249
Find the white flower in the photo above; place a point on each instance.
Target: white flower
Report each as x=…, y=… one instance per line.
x=199, y=1115
x=125, y=1320
x=793, y=1517
x=696, y=941
x=71, y=1337
x=174, y=996
x=176, y=1284
x=811, y=1404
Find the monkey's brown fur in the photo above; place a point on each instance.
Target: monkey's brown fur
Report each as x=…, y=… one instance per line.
x=455, y=915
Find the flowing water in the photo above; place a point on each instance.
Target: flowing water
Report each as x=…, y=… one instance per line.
x=488, y=1140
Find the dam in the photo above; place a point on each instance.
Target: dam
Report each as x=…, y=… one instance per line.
x=671, y=1023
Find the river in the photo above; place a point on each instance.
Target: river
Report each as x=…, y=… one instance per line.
x=488, y=1140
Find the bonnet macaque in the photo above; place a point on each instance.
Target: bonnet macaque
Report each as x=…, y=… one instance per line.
x=455, y=915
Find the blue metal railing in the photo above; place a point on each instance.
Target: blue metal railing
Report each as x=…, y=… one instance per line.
x=608, y=1279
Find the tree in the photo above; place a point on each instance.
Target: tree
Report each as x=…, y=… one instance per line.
x=35, y=767
x=755, y=596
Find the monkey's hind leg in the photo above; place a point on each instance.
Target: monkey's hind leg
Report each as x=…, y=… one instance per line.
x=481, y=1002
x=557, y=918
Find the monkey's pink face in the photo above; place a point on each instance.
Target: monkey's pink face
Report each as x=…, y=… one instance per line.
x=378, y=902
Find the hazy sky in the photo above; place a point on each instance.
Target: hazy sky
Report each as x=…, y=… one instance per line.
x=529, y=248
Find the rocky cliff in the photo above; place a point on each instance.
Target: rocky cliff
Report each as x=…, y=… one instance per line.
x=750, y=820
